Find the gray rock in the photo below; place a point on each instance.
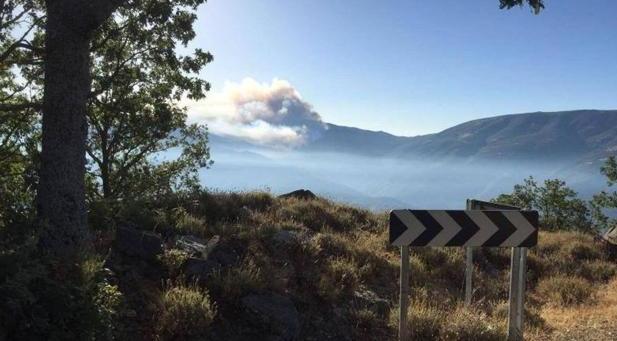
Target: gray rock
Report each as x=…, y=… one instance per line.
x=192, y=245
x=142, y=244
x=303, y=194
x=285, y=237
x=275, y=311
x=200, y=268
x=208, y=256
x=197, y=247
x=367, y=299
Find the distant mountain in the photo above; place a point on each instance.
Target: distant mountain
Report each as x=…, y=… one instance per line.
x=582, y=135
x=341, y=139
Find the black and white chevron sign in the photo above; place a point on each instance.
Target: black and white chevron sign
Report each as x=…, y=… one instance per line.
x=464, y=228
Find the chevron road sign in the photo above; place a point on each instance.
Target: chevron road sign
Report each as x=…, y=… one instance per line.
x=495, y=225
x=490, y=228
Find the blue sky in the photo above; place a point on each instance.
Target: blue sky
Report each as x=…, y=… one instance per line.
x=416, y=67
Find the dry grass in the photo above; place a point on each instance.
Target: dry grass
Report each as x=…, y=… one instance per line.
x=341, y=249
x=584, y=322
x=562, y=290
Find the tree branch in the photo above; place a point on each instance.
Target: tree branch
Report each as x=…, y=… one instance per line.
x=20, y=107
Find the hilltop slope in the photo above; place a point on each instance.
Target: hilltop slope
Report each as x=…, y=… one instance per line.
x=316, y=270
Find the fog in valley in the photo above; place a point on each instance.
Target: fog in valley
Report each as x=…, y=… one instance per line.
x=384, y=183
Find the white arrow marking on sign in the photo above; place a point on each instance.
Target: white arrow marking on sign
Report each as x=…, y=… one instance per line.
x=414, y=228
x=523, y=228
x=487, y=228
x=450, y=228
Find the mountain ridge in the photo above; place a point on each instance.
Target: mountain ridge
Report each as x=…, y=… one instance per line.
x=584, y=135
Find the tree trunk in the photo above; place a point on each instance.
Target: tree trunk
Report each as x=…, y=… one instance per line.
x=61, y=198
x=61, y=192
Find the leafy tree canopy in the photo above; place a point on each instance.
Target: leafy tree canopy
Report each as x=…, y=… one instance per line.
x=606, y=200
x=138, y=78
x=557, y=204
x=536, y=5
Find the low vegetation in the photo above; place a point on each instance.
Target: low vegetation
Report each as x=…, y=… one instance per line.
x=186, y=312
x=332, y=261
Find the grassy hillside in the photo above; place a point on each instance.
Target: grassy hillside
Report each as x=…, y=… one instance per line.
x=260, y=267
x=337, y=269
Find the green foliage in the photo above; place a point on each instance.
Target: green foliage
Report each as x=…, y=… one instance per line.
x=524, y=195
x=605, y=200
x=19, y=129
x=536, y=5
x=557, y=204
x=38, y=300
x=173, y=260
x=187, y=313
x=134, y=111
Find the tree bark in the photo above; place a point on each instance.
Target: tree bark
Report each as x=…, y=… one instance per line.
x=61, y=198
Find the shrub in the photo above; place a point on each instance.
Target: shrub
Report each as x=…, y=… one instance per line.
x=259, y=201
x=531, y=316
x=464, y=324
x=189, y=224
x=173, y=260
x=563, y=290
x=365, y=320
x=424, y=322
x=38, y=303
x=313, y=214
x=597, y=271
x=186, y=313
x=339, y=279
x=235, y=282
x=580, y=250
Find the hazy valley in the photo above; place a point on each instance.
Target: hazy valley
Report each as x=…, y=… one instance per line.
x=480, y=159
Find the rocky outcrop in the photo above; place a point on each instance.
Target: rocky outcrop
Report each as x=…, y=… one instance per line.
x=303, y=194
x=206, y=257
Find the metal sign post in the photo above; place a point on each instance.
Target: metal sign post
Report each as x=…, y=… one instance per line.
x=404, y=294
x=469, y=264
x=516, y=308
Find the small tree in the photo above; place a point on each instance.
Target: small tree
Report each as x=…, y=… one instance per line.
x=560, y=207
x=557, y=204
x=605, y=200
x=523, y=196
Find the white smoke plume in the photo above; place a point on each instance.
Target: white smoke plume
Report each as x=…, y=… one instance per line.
x=270, y=114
